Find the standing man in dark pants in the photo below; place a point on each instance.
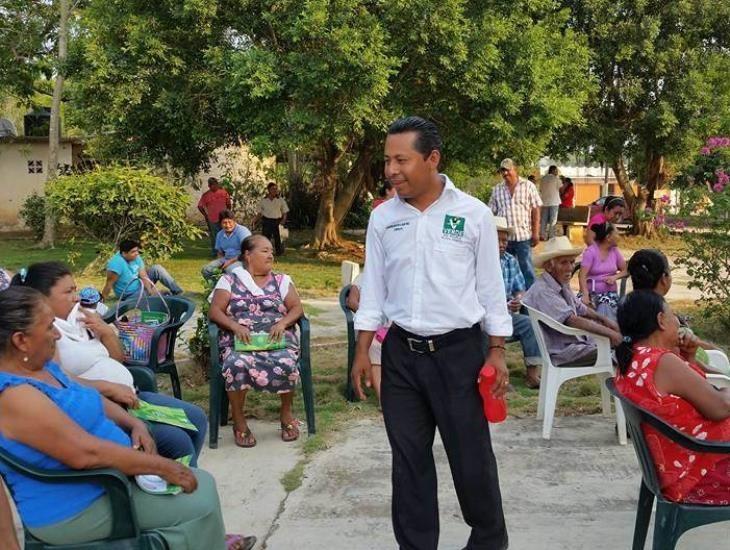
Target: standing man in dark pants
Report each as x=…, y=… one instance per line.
x=432, y=268
x=519, y=201
x=272, y=213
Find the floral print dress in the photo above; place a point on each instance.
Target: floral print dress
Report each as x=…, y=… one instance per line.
x=684, y=476
x=274, y=371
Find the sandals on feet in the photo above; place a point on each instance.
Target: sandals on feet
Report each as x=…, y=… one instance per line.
x=244, y=439
x=290, y=431
x=239, y=542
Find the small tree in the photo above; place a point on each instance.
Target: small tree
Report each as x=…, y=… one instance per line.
x=706, y=197
x=113, y=203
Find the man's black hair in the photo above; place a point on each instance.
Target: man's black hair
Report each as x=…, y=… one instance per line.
x=428, y=138
x=128, y=244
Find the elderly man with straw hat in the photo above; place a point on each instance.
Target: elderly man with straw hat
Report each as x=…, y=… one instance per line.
x=514, y=286
x=551, y=294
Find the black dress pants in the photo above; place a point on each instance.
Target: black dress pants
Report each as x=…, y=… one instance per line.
x=270, y=230
x=422, y=391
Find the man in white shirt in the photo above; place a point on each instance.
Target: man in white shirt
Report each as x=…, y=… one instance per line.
x=432, y=268
x=518, y=200
x=550, y=195
x=272, y=213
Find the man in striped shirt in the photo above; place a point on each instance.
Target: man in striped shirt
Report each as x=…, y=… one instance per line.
x=519, y=201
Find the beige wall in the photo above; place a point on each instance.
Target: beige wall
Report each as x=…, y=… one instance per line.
x=15, y=181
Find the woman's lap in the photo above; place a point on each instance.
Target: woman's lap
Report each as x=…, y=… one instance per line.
x=274, y=371
x=186, y=521
x=174, y=442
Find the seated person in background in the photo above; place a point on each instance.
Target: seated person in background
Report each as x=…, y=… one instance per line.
x=126, y=266
x=649, y=270
x=613, y=212
x=567, y=193
x=675, y=389
x=386, y=192
x=50, y=421
x=227, y=246
x=551, y=294
x=514, y=286
x=249, y=300
x=600, y=267
x=353, y=302
x=89, y=349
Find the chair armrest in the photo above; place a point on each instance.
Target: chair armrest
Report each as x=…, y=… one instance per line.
x=144, y=378
x=115, y=483
x=560, y=327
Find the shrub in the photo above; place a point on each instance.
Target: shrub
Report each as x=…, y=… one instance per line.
x=198, y=343
x=114, y=203
x=706, y=190
x=33, y=214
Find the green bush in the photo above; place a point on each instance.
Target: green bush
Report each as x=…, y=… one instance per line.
x=33, y=214
x=111, y=204
x=706, y=190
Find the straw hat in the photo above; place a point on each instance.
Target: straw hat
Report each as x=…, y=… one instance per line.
x=555, y=248
x=501, y=223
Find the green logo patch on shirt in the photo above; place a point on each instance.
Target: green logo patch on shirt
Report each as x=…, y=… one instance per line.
x=453, y=226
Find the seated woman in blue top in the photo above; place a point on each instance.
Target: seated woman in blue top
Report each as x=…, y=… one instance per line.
x=49, y=421
x=90, y=350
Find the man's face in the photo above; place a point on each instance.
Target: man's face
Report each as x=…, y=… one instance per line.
x=131, y=255
x=561, y=268
x=213, y=186
x=509, y=175
x=228, y=225
x=503, y=237
x=406, y=168
x=273, y=191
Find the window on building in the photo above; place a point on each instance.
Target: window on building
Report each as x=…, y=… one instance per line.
x=35, y=166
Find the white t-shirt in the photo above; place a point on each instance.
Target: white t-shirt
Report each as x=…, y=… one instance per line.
x=550, y=190
x=245, y=277
x=85, y=356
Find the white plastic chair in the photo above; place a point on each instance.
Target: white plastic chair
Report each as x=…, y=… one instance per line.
x=719, y=362
x=719, y=380
x=553, y=376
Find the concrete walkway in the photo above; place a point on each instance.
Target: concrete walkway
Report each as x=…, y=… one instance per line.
x=576, y=491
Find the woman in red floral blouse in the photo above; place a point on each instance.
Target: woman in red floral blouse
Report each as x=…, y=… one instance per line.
x=653, y=375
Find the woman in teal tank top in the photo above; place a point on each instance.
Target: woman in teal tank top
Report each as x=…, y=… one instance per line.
x=52, y=422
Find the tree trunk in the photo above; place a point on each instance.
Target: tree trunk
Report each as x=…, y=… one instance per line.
x=325, y=228
x=655, y=177
x=54, y=134
x=619, y=169
x=358, y=177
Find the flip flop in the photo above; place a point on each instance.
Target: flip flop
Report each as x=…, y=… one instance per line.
x=290, y=431
x=239, y=542
x=244, y=439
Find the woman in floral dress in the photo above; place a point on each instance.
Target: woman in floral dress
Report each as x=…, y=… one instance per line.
x=652, y=374
x=255, y=299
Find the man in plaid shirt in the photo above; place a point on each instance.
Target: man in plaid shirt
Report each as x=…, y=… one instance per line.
x=518, y=200
x=514, y=286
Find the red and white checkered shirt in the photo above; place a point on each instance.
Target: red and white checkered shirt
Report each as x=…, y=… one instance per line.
x=516, y=208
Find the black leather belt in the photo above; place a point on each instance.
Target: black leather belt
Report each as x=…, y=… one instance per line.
x=431, y=344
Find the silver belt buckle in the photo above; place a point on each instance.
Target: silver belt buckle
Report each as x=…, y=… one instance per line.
x=429, y=342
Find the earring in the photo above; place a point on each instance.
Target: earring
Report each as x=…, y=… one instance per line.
x=25, y=359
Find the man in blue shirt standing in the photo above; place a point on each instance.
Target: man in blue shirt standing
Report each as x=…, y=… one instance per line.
x=227, y=246
x=125, y=272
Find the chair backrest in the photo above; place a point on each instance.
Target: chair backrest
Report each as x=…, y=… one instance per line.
x=536, y=318
x=577, y=214
x=637, y=416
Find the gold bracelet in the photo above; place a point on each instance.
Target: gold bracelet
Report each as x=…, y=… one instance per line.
x=498, y=347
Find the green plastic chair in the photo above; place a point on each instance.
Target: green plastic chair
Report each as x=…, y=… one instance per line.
x=350, y=320
x=181, y=309
x=672, y=519
x=125, y=531
x=218, y=399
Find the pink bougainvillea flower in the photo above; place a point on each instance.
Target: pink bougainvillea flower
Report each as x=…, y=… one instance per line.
x=718, y=187
x=705, y=151
x=665, y=198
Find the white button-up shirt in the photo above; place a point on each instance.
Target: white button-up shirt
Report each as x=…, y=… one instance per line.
x=434, y=271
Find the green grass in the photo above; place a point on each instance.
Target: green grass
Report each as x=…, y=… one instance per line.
x=313, y=274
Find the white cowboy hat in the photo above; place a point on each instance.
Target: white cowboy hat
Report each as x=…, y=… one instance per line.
x=555, y=248
x=501, y=223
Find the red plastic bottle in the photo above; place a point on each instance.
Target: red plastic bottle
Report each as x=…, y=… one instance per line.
x=495, y=408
